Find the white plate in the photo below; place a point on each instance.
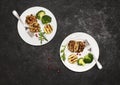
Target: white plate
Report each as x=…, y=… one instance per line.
x=34, y=40
x=80, y=36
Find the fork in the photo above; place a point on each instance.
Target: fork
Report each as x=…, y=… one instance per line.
x=14, y=12
x=99, y=65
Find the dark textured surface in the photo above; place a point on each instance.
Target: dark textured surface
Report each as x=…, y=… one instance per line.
x=22, y=64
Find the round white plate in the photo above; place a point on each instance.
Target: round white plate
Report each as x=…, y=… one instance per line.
x=80, y=36
x=34, y=40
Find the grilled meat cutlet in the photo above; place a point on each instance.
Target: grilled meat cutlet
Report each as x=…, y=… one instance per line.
x=71, y=45
x=81, y=47
x=76, y=46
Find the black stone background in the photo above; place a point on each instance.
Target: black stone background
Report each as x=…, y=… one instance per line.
x=23, y=64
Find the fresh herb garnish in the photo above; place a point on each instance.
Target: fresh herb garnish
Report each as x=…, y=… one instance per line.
x=63, y=53
x=42, y=36
x=63, y=49
x=63, y=56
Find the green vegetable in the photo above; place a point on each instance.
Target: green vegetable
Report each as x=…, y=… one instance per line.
x=81, y=62
x=63, y=53
x=40, y=14
x=42, y=37
x=46, y=19
x=88, y=58
x=63, y=49
x=63, y=57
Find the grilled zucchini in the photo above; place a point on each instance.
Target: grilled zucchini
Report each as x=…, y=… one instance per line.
x=48, y=29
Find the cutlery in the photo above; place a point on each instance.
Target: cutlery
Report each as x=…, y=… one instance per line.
x=99, y=65
x=14, y=12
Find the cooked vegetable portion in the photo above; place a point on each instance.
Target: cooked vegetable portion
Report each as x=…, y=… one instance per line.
x=40, y=14
x=48, y=29
x=46, y=19
x=88, y=58
x=80, y=61
x=72, y=58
